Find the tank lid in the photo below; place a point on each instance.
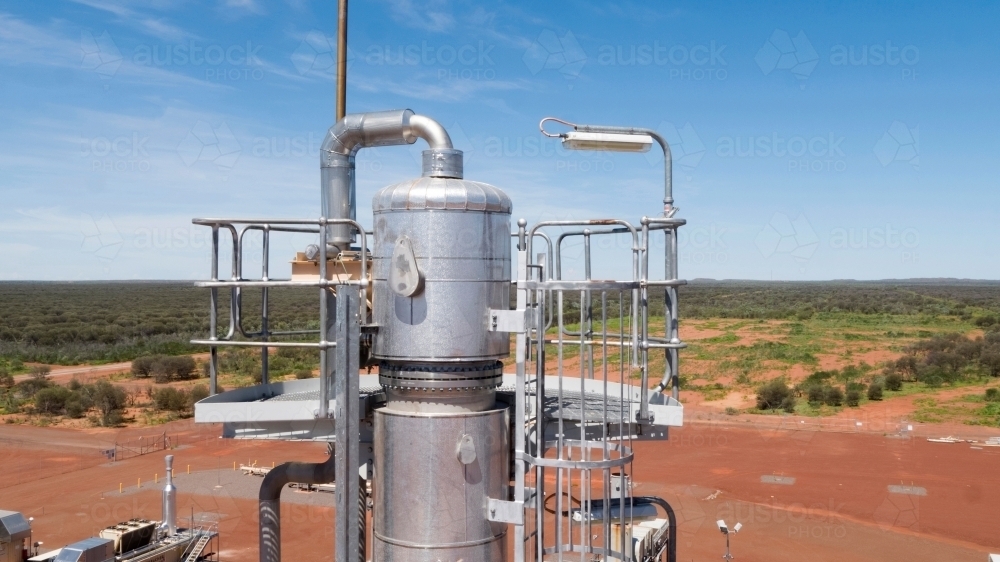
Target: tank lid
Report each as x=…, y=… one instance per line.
x=441, y=194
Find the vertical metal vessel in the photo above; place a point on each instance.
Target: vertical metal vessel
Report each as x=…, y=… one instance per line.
x=169, y=523
x=441, y=262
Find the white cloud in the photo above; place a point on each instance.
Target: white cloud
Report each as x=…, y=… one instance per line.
x=251, y=6
x=432, y=15
x=22, y=43
x=440, y=90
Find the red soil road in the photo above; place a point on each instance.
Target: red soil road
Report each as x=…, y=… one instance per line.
x=63, y=373
x=838, y=509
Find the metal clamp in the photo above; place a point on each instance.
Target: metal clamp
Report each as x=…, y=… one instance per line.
x=511, y=321
x=500, y=511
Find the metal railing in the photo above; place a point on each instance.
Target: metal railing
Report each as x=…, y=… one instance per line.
x=264, y=338
x=573, y=440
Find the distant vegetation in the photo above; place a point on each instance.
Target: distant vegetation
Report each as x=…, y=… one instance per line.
x=71, y=323
x=102, y=401
x=978, y=302
x=951, y=359
x=104, y=404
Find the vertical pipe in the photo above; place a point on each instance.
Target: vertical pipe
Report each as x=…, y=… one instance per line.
x=348, y=328
x=674, y=331
x=519, y=421
x=266, y=233
x=213, y=317
x=341, y=59
x=325, y=323
x=644, y=304
x=539, y=409
x=589, y=317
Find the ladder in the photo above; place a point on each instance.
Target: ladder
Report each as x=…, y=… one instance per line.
x=198, y=547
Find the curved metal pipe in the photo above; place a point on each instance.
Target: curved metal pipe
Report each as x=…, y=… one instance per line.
x=269, y=506
x=640, y=501
x=361, y=130
x=429, y=130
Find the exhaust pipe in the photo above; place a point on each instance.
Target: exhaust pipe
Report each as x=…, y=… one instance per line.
x=380, y=128
x=269, y=505
x=168, y=525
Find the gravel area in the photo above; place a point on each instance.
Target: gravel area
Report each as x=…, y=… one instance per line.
x=228, y=483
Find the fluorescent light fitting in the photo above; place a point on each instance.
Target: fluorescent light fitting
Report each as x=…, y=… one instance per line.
x=613, y=142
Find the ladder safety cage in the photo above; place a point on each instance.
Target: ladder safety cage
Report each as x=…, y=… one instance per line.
x=584, y=344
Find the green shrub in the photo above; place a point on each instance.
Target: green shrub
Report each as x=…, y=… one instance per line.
x=993, y=394
x=170, y=399
x=142, y=367
x=730, y=411
x=855, y=386
x=771, y=395
x=75, y=407
x=303, y=374
x=933, y=381
x=52, y=400
x=788, y=404
x=985, y=321
x=110, y=402
x=816, y=394
x=875, y=391
x=6, y=379
x=853, y=398
x=164, y=368
x=198, y=393
x=893, y=382
x=834, y=396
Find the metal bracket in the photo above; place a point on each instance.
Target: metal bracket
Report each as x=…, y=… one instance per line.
x=500, y=511
x=511, y=321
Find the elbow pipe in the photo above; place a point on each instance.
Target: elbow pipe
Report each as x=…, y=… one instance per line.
x=380, y=128
x=269, y=506
x=647, y=500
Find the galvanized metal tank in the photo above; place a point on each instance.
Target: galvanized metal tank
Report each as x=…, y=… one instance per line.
x=433, y=476
x=459, y=232
x=441, y=262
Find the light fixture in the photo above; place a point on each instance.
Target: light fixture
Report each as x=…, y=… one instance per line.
x=725, y=531
x=611, y=142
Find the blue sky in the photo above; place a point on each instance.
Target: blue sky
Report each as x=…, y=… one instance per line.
x=844, y=140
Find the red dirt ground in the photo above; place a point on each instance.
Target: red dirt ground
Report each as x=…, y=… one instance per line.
x=838, y=509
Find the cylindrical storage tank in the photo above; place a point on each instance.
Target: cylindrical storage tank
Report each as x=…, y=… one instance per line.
x=433, y=477
x=459, y=232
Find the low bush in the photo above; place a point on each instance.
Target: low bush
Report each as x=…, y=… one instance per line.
x=992, y=395
x=893, y=382
x=52, y=400
x=875, y=391
x=788, y=404
x=164, y=368
x=834, y=396
x=772, y=395
x=198, y=393
x=853, y=398
x=816, y=395
x=170, y=399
